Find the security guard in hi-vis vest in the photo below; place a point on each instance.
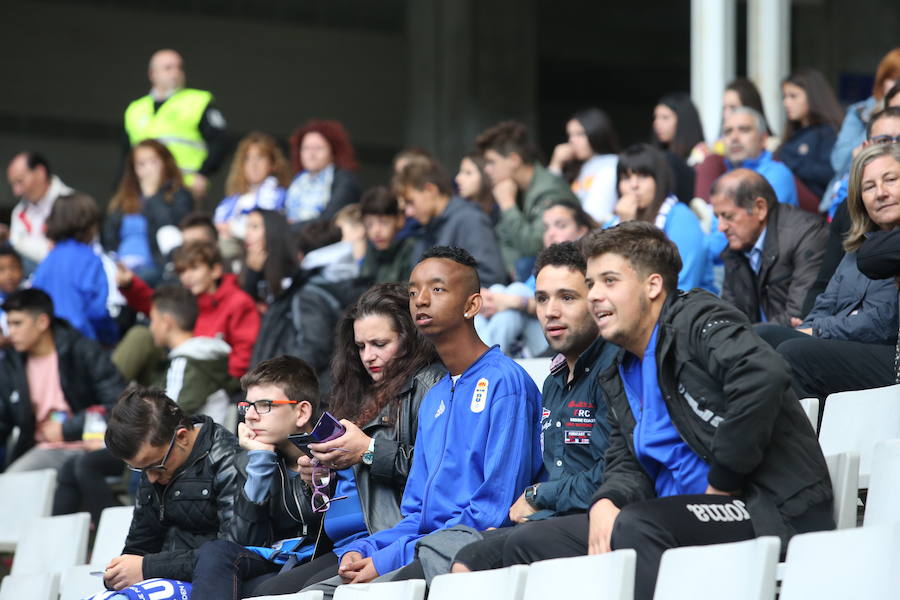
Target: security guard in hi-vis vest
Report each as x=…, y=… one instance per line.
x=183, y=119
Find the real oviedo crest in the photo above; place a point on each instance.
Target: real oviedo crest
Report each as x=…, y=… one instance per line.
x=479, y=396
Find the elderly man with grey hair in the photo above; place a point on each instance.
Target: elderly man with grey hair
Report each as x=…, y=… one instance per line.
x=745, y=146
x=774, y=251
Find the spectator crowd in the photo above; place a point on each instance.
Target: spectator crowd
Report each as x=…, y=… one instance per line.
x=314, y=383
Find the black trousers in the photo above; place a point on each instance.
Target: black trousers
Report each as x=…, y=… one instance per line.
x=486, y=553
x=81, y=482
x=319, y=569
x=650, y=528
x=226, y=570
x=822, y=367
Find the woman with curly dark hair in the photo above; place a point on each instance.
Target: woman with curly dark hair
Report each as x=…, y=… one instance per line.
x=324, y=163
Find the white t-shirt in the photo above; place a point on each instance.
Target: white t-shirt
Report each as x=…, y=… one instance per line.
x=596, y=186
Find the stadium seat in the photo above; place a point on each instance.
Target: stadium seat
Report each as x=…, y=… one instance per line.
x=856, y=421
x=413, y=589
x=26, y=496
x=737, y=571
x=843, y=469
x=836, y=565
x=497, y=584
x=607, y=576
x=77, y=582
x=30, y=587
x=811, y=408
x=884, y=485
x=111, y=533
x=538, y=368
x=52, y=545
x=312, y=595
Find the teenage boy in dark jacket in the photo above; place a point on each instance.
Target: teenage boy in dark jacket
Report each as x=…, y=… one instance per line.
x=187, y=490
x=448, y=220
x=708, y=443
x=48, y=379
x=271, y=505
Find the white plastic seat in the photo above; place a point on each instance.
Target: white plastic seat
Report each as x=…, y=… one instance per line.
x=856, y=421
x=850, y=563
x=745, y=569
x=52, y=545
x=111, y=533
x=26, y=496
x=32, y=587
x=77, y=582
x=538, y=368
x=497, y=584
x=607, y=576
x=811, y=408
x=311, y=595
x=412, y=589
x=843, y=469
x=884, y=485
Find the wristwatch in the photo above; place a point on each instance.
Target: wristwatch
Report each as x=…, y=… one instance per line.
x=530, y=493
x=368, y=456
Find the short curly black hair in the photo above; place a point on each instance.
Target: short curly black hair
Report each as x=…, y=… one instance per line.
x=458, y=255
x=564, y=254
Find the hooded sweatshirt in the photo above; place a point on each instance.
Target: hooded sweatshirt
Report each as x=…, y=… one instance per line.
x=197, y=376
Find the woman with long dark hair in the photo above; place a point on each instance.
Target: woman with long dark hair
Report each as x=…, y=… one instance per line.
x=813, y=118
x=588, y=161
x=678, y=133
x=270, y=259
x=645, y=194
x=150, y=196
x=475, y=186
x=381, y=370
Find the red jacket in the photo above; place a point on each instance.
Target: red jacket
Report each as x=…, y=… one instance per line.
x=229, y=313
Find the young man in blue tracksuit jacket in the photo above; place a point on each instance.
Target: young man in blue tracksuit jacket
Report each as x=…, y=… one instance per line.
x=478, y=443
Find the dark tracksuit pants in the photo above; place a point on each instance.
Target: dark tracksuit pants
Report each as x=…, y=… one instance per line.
x=650, y=528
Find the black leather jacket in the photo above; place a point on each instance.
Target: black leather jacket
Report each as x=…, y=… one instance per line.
x=729, y=396
x=171, y=522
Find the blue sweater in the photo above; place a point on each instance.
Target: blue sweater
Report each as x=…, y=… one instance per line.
x=477, y=447
x=683, y=228
x=73, y=276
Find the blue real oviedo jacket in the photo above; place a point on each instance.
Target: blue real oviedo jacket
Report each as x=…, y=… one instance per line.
x=477, y=447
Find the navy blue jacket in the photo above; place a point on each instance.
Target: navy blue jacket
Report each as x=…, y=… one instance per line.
x=855, y=308
x=808, y=155
x=574, y=430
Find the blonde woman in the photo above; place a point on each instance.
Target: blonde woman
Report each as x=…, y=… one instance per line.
x=258, y=177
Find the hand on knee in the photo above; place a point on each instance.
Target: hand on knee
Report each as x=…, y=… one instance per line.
x=458, y=567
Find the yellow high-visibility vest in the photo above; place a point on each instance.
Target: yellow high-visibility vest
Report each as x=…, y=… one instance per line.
x=176, y=125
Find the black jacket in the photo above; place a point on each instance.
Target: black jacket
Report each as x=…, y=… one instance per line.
x=729, y=396
x=879, y=255
x=87, y=377
x=158, y=213
x=792, y=254
x=287, y=511
x=171, y=522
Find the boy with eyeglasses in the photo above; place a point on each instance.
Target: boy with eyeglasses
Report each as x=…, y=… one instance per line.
x=187, y=489
x=275, y=523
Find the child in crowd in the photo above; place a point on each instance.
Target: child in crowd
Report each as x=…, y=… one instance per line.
x=273, y=513
x=11, y=277
x=388, y=253
x=73, y=274
x=353, y=232
x=225, y=310
x=257, y=179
